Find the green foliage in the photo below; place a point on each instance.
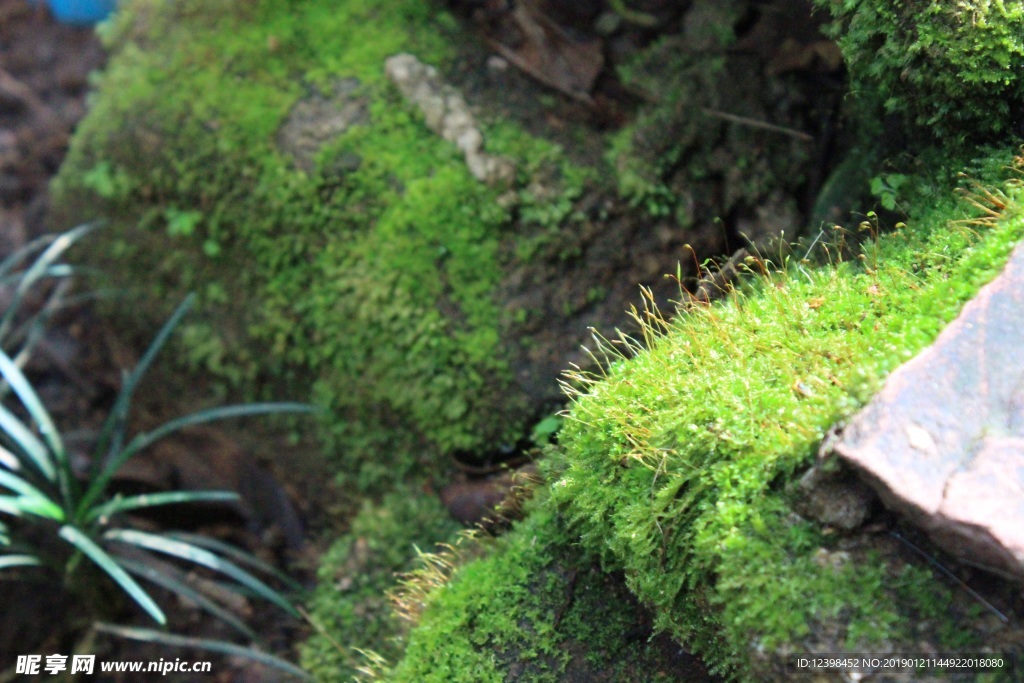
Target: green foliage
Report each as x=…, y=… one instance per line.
x=367, y=273
x=951, y=69
x=533, y=608
x=544, y=431
x=886, y=188
x=672, y=463
x=77, y=530
x=551, y=182
x=349, y=606
x=34, y=269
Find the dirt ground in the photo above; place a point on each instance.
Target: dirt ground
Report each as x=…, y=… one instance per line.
x=44, y=77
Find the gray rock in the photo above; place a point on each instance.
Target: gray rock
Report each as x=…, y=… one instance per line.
x=319, y=118
x=943, y=442
x=447, y=114
x=834, y=497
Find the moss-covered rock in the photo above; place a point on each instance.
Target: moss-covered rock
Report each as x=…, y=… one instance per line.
x=951, y=70
x=255, y=153
x=676, y=471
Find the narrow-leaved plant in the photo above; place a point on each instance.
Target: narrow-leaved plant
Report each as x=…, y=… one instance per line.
x=52, y=518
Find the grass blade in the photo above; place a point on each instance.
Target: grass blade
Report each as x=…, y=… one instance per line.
x=11, y=262
x=30, y=499
x=56, y=272
x=108, y=564
x=31, y=446
x=165, y=577
x=238, y=555
x=9, y=506
x=112, y=435
x=31, y=332
x=149, y=500
x=18, y=485
x=212, y=415
x=39, y=269
x=200, y=556
x=141, y=441
x=8, y=561
x=23, y=505
x=153, y=636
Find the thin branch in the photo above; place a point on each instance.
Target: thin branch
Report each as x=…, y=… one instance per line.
x=757, y=123
x=935, y=563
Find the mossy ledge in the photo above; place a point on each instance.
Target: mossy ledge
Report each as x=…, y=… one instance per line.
x=674, y=468
x=676, y=462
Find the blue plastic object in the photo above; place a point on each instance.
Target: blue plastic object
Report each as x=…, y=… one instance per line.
x=81, y=12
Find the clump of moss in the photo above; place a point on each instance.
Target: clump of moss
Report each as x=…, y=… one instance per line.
x=535, y=608
x=350, y=602
x=366, y=271
x=674, y=463
x=952, y=70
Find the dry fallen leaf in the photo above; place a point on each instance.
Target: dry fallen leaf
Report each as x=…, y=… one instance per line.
x=552, y=56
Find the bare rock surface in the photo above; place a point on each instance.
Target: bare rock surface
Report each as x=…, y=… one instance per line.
x=447, y=114
x=318, y=118
x=943, y=442
x=834, y=498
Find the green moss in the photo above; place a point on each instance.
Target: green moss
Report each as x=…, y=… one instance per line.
x=367, y=273
x=350, y=601
x=551, y=182
x=673, y=464
x=534, y=608
x=951, y=69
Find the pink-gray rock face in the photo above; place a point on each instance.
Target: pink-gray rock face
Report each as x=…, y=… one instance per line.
x=943, y=442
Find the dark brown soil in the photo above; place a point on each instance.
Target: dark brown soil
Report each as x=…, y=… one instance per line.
x=44, y=77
